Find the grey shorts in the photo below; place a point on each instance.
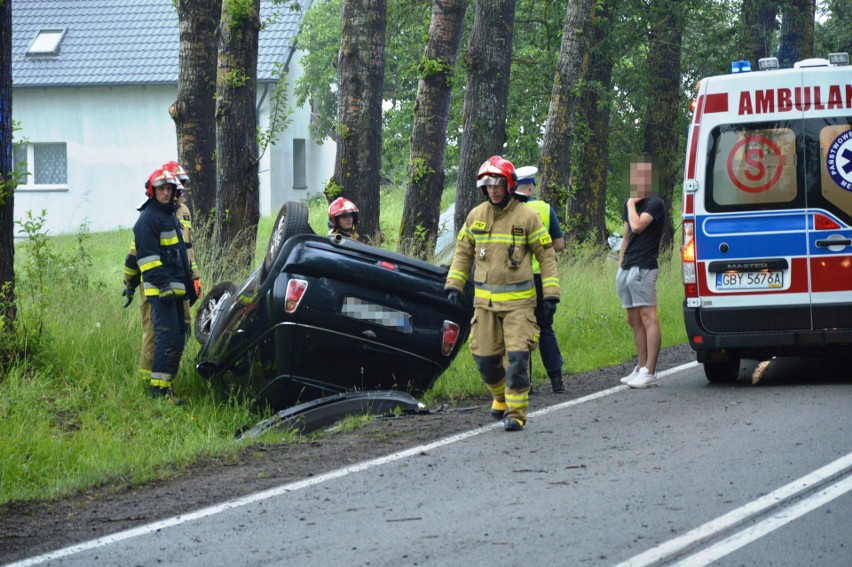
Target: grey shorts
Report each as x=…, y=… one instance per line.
x=636, y=287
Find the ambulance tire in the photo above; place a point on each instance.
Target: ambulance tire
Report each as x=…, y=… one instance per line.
x=722, y=372
x=213, y=302
x=292, y=219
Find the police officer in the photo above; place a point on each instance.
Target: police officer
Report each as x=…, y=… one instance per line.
x=548, y=345
x=166, y=276
x=342, y=218
x=499, y=239
x=132, y=273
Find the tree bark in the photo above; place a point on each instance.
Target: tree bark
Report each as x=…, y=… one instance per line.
x=194, y=110
x=758, y=29
x=797, y=32
x=418, y=232
x=665, y=118
x=361, y=76
x=8, y=179
x=488, y=62
x=561, y=133
x=587, y=210
x=237, y=202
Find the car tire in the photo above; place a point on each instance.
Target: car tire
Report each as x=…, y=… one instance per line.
x=210, y=306
x=724, y=372
x=292, y=219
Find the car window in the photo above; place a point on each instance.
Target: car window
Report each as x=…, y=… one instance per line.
x=753, y=166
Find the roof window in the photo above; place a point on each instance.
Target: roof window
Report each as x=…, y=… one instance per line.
x=46, y=42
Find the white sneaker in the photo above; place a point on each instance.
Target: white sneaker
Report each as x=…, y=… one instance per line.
x=644, y=379
x=631, y=376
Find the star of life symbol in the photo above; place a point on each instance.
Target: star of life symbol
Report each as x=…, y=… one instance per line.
x=838, y=160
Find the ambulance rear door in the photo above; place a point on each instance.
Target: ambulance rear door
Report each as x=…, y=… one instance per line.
x=828, y=176
x=751, y=215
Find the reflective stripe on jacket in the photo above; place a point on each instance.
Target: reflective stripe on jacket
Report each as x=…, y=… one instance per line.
x=160, y=251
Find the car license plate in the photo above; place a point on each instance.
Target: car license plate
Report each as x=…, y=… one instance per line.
x=750, y=280
x=379, y=314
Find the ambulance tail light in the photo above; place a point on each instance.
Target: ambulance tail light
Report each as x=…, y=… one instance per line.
x=822, y=222
x=687, y=256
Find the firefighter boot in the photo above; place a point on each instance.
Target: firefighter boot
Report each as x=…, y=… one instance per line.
x=517, y=391
x=494, y=375
x=166, y=394
x=556, y=382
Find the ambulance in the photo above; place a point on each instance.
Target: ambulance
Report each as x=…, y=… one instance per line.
x=767, y=214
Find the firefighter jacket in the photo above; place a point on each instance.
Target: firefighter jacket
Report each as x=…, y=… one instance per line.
x=499, y=244
x=132, y=275
x=161, y=252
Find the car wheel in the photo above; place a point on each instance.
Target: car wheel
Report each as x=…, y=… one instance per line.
x=211, y=304
x=722, y=372
x=292, y=219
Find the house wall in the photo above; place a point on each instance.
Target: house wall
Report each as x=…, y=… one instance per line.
x=116, y=136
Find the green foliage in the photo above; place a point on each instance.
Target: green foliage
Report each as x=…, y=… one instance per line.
x=280, y=115
x=332, y=190
x=240, y=12
x=236, y=78
x=419, y=170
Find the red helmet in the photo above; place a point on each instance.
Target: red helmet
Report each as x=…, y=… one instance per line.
x=341, y=206
x=160, y=177
x=495, y=167
x=177, y=170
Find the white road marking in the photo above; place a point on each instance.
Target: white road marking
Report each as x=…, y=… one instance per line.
x=308, y=482
x=669, y=549
x=777, y=520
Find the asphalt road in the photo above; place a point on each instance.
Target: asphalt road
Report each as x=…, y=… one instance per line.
x=688, y=472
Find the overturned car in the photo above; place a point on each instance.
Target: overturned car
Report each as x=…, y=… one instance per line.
x=324, y=316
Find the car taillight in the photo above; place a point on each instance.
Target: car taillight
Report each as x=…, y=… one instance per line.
x=687, y=256
x=295, y=292
x=451, y=335
x=822, y=222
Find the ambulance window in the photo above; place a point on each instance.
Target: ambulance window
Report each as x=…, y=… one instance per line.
x=835, y=166
x=753, y=166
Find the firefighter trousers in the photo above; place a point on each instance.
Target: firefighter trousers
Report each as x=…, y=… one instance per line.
x=169, y=339
x=146, y=356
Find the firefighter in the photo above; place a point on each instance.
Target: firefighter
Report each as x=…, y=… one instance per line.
x=498, y=240
x=548, y=345
x=342, y=218
x=132, y=274
x=166, y=276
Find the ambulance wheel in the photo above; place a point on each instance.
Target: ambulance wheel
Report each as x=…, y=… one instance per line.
x=724, y=372
x=292, y=219
x=213, y=302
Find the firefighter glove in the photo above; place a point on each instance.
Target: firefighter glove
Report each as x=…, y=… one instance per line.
x=197, y=283
x=167, y=296
x=549, y=306
x=128, y=295
x=454, y=297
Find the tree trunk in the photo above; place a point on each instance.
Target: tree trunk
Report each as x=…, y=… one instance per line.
x=758, y=29
x=419, y=230
x=237, y=204
x=560, y=133
x=488, y=62
x=665, y=117
x=797, y=32
x=194, y=110
x=8, y=179
x=361, y=76
x=587, y=210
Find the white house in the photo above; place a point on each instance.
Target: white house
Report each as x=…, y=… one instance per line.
x=92, y=85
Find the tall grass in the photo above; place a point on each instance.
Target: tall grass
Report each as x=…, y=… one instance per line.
x=74, y=413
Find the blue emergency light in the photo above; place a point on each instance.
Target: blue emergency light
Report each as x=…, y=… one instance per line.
x=741, y=66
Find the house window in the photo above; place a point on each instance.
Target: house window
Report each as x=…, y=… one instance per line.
x=300, y=178
x=46, y=165
x=46, y=42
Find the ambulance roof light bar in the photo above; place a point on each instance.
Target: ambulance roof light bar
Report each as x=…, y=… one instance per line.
x=767, y=63
x=838, y=59
x=741, y=66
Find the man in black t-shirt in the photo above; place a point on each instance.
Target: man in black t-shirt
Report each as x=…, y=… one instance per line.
x=636, y=281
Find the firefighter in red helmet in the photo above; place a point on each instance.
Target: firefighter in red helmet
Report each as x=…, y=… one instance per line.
x=499, y=239
x=342, y=218
x=132, y=273
x=164, y=274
